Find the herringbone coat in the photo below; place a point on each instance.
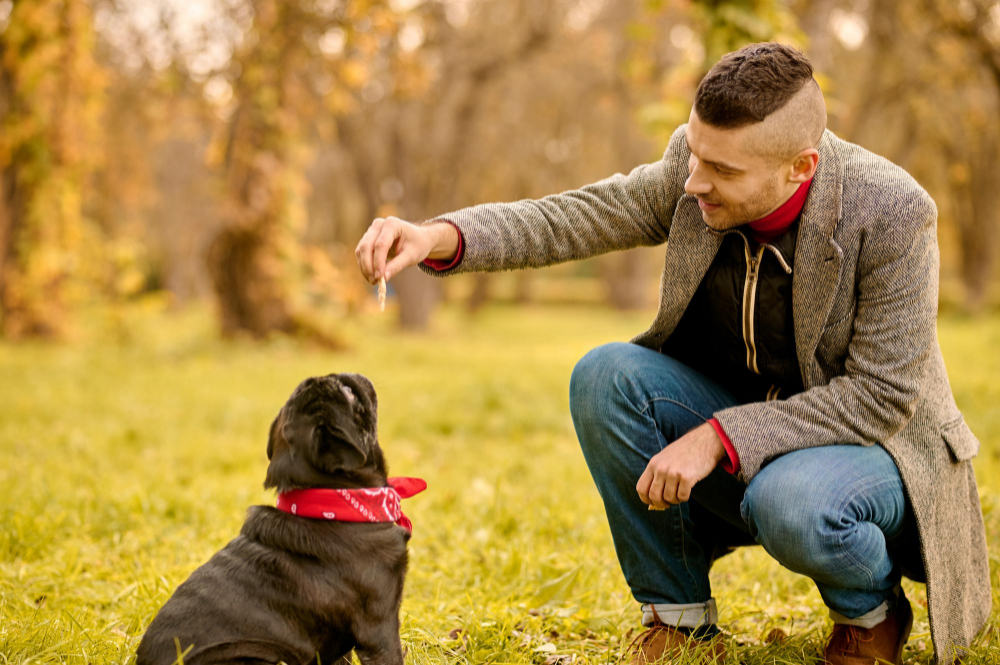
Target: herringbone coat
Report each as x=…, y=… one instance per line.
x=864, y=296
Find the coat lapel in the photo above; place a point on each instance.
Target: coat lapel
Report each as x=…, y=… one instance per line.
x=690, y=250
x=817, y=256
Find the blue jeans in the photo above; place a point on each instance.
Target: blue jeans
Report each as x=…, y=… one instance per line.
x=832, y=513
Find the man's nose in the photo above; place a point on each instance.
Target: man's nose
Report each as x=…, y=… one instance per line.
x=695, y=184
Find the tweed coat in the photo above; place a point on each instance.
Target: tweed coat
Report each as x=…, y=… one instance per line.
x=864, y=297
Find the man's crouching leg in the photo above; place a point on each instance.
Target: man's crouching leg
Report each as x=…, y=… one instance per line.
x=629, y=402
x=833, y=513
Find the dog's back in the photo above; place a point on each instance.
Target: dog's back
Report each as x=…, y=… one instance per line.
x=288, y=588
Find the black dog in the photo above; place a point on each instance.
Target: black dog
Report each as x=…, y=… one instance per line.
x=290, y=588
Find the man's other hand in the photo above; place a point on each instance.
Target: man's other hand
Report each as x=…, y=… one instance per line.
x=405, y=243
x=673, y=472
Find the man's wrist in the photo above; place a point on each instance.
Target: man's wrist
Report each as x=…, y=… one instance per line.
x=730, y=459
x=445, y=237
x=718, y=448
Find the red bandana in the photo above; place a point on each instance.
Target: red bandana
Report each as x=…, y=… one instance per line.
x=375, y=504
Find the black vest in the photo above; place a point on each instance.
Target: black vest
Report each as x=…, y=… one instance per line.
x=738, y=328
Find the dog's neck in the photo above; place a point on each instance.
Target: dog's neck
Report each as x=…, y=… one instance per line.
x=345, y=480
x=374, y=473
x=321, y=539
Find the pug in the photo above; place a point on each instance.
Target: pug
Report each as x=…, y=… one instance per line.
x=318, y=575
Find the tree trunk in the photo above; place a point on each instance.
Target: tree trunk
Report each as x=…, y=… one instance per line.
x=627, y=277
x=49, y=86
x=246, y=276
x=418, y=295
x=250, y=259
x=480, y=294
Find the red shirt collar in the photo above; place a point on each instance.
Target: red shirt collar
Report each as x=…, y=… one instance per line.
x=772, y=225
x=370, y=504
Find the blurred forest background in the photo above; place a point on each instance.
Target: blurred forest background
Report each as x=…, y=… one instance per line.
x=183, y=184
x=236, y=150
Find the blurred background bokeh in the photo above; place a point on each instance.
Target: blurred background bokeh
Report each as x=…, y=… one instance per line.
x=183, y=184
x=233, y=152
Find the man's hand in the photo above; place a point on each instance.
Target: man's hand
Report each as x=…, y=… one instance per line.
x=674, y=471
x=407, y=244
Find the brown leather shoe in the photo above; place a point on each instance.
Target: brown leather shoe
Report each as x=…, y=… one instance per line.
x=881, y=644
x=662, y=644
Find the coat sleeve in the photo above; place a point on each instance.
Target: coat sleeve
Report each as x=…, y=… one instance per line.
x=894, y=333
x=619, y=212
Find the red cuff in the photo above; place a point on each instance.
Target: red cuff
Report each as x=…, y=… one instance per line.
x=731, y=465
x=444, y=264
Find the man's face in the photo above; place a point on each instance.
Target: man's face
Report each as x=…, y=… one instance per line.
x=733, y=186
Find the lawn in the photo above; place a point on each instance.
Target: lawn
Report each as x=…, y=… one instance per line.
x=124, y=465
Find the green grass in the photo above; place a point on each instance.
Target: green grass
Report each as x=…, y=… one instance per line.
x=124, y=466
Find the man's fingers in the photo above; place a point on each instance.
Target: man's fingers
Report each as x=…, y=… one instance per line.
x=365, y=258
x=404, y=257
x=366, y=248
x=642, y=487
x=656, y=492
x=684, y=488
x=391, y=230
x=672, y=492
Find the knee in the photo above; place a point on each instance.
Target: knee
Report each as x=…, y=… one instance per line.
x=592, y=375
x=788, y=518
x=602, y=388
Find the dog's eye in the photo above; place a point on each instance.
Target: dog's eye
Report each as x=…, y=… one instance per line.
x=348, y=393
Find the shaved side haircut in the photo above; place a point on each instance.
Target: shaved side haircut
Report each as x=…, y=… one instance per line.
x=770, y=85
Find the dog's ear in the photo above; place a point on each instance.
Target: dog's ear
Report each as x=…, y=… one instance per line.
x=270, y=438
x=363, y=400
x=301, y=432
x=367, y=390
x=339, y=450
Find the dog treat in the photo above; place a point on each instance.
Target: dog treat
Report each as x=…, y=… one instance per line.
x=381, y=293
x=651, y=507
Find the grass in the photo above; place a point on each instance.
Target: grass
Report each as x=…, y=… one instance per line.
x=125, y=465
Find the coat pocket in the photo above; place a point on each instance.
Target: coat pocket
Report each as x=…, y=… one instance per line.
x=962, y=443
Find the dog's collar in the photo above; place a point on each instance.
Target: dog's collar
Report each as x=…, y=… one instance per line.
x=369, y=504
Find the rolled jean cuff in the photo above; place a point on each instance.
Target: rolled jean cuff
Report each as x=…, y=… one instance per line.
x=866, y=620
x=691, y=615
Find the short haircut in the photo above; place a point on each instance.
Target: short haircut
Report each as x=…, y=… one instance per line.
x=747, y=85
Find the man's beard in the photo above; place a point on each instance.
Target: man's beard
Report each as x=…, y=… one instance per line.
x=753, y=208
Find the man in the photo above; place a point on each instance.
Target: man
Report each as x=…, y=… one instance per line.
x=790, y=392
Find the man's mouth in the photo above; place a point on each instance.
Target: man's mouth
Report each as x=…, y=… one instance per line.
x=705, y=205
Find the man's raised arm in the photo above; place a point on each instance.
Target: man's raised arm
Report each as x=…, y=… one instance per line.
x=616, y=213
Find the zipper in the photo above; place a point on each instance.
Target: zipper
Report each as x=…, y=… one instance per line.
x=750, y=292
x=749, y=300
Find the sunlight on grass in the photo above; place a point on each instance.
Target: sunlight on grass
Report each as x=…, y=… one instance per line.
x=124, y=466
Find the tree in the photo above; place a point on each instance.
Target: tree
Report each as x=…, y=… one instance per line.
x=928, y=98
x=279, y=91
x=50, y=101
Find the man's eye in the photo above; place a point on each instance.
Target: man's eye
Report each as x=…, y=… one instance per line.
x=724, y=173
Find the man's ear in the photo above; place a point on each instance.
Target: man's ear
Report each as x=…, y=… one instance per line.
x=804, y=165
